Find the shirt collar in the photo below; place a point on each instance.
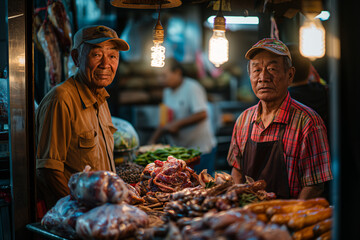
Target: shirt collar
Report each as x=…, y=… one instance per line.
x=282, y=116
x=86, y=97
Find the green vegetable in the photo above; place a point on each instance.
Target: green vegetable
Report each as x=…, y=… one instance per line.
x=209, y=184
x=247, y=198
x=162, y=154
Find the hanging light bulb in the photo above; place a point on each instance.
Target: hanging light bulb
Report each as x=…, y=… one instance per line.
x=218, y=44
x=312, y=32
x=312, y=39
x=158, y=50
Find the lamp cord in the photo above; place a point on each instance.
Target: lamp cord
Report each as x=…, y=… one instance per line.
x=159, y=10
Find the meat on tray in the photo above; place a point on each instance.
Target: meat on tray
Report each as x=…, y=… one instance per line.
x=111, y=221
x=133, y=196
x=93, y=188
x=61, y=219
x=168, y=176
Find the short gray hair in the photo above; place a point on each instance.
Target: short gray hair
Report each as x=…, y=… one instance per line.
x=80, y=49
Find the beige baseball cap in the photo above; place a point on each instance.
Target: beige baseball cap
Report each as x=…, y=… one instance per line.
x=269, y=44
x=98, y=34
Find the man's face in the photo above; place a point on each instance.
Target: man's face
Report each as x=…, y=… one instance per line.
x=268, y=78
x=98, y=63
x=172, y=78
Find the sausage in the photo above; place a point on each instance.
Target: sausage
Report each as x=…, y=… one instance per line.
x=325, y=236
x=283, y=218
x=262, y=217
x=323, y=226
x=304, y=234
x=303, y=220
x=321, y=202
x=261, y=207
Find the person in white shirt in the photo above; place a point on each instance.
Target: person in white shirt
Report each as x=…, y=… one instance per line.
x=191, y=126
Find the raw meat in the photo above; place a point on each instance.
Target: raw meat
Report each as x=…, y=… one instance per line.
x=111, y=221
x=94, y=188
x=61, y=219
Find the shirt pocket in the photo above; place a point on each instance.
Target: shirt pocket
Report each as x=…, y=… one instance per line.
x=88, y=139
x=112, y=128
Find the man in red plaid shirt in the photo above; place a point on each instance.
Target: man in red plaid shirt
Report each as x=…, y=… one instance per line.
x=279, y=140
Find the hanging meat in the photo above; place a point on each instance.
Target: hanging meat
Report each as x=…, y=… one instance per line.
x=50, y=47
x=60, y=20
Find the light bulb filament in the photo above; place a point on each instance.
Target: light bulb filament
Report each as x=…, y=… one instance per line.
x=312, y=39
x=157, y=55
x=218, y=48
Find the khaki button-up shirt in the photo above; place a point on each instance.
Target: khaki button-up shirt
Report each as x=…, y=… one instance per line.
x=74, y=129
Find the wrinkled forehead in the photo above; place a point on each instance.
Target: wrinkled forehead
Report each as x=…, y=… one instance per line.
x=108, y=45
x=266, y=58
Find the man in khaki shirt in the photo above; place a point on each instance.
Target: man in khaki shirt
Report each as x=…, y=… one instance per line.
x=73, y=121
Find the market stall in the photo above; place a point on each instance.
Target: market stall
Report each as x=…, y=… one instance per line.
x=167, y=213
x=170, y=201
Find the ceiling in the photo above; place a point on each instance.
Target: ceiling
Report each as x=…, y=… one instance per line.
x=279, y=8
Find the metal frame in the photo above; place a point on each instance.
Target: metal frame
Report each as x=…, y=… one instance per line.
x=21, y=115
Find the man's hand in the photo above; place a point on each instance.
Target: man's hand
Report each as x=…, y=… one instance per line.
x=53, y=185
x=313, y=191
x=236, y=175
x=172, y=127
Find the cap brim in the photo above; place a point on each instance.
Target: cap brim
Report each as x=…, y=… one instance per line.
x=122, y=45
x=250, y=54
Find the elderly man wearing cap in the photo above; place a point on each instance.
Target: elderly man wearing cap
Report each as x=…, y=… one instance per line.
x=279, y=140
x=73, y=121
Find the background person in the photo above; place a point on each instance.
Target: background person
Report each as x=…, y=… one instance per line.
x=191, y=126
x=279, y=140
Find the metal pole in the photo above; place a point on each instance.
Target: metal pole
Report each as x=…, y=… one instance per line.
x=21, y=103
x=333, y=46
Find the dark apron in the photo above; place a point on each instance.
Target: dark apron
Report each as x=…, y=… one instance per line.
x=265, y=160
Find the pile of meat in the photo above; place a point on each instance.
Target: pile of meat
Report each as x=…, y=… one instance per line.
x=97, y=208
x=168, y=176
x=223, y=195
x=170, y=202
x=232, y=224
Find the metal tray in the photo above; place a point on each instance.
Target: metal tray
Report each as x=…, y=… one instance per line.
x=40, y=230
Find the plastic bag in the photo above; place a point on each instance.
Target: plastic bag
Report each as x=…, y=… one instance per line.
x=98, y=187
x=111, y=221
x=61, y=219
x=125, y=138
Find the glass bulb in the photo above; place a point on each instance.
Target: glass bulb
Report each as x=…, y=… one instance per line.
x=157, y=55
x=312, y=39
x=218, y=48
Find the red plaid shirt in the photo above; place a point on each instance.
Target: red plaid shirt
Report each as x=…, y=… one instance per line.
x=306, y=147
